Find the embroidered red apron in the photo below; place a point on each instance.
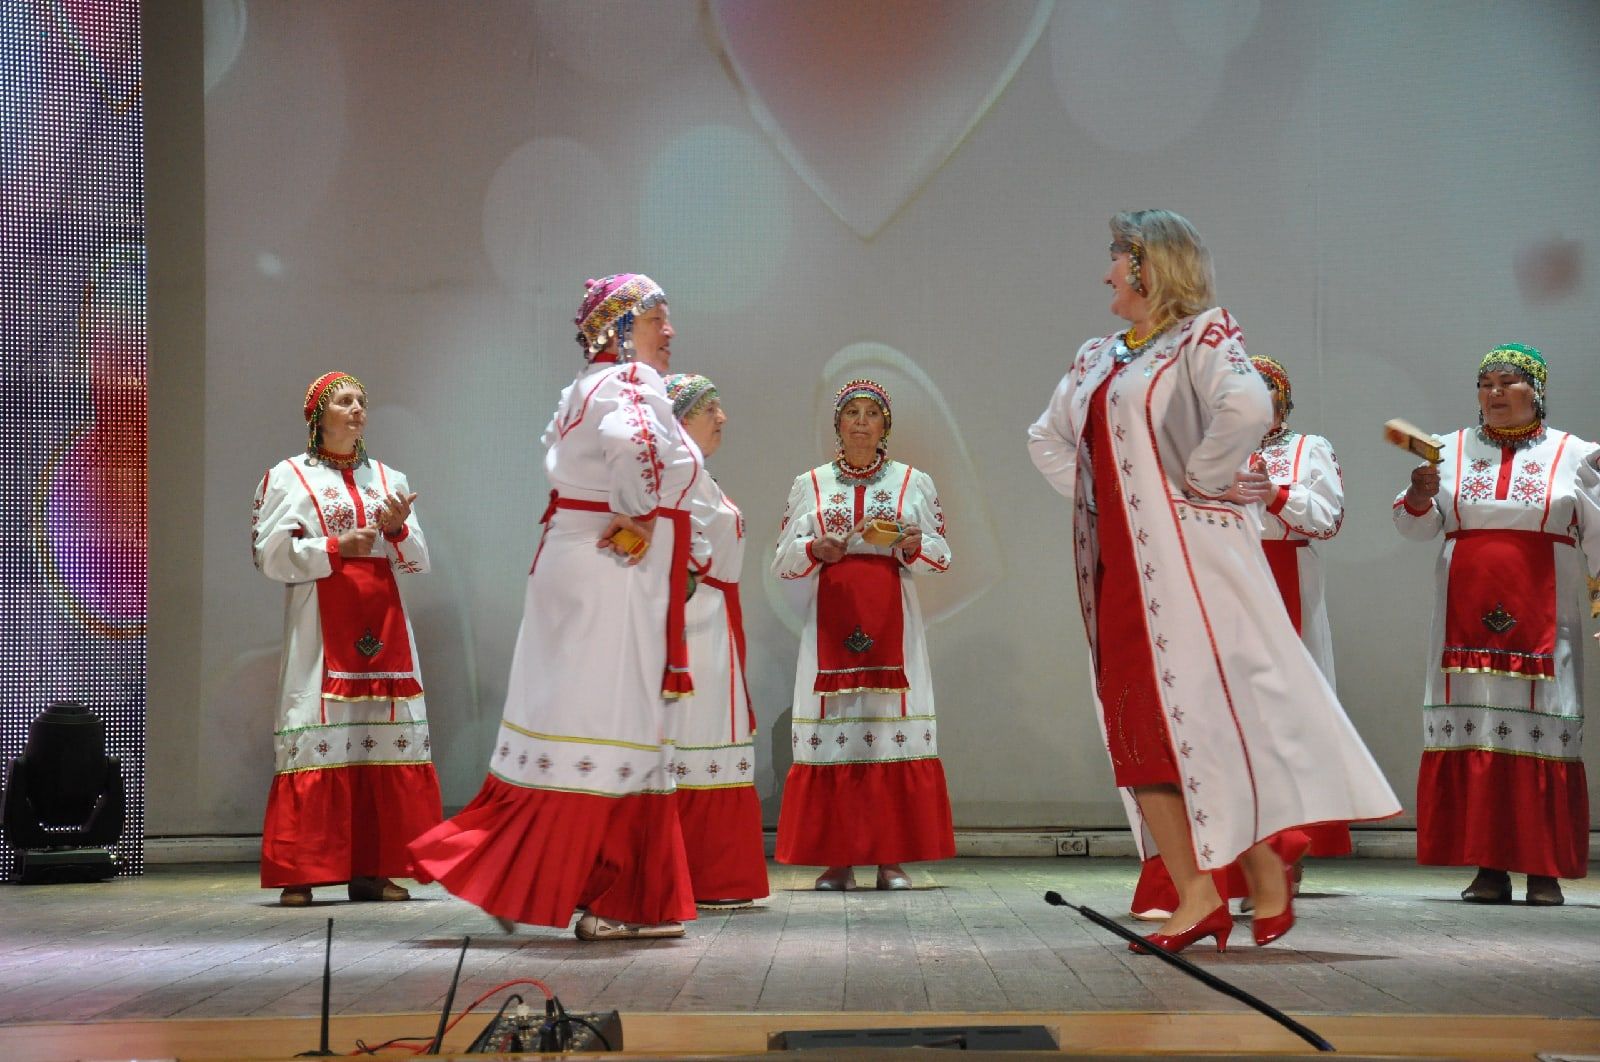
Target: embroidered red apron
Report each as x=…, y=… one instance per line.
x=860, y=627
x=1500, y=605
x=366, y=652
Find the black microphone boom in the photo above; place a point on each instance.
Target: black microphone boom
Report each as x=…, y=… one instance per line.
x=327, y=982
x=1210, y=980
x=449, y=1000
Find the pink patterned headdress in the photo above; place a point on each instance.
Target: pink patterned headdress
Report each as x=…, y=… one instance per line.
x=609, y=306
x=863, y=389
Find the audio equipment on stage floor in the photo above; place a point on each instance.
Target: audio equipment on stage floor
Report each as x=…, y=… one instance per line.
x=953, y=1038
x=327, y=982
x=1208, y=979
x=556, y=1030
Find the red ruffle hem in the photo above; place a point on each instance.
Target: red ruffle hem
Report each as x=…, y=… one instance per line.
x=723, y=841
x=1477, y=808
x=327, y=826
x=858, y=814
x=536, y=856
x=1156, y=892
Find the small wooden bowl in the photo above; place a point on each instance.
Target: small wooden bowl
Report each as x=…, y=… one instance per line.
x=882, y=533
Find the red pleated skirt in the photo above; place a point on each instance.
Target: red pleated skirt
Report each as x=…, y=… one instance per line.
x=723, y=842
x=1477, y=808
x=327, y=826
x=537, y=856
x=857, y=814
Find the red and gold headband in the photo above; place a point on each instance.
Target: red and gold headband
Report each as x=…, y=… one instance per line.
x=324, y=386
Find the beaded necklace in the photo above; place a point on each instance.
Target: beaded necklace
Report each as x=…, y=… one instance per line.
x=1273, y=438
x=1131, y=347
x=864, y=476
x=340, y=461
x=1530, y=434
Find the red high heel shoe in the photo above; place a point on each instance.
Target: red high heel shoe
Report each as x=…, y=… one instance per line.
x=1266, y=930
x=1218, y=923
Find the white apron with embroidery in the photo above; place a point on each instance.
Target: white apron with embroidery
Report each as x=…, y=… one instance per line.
x=584, y=709
x=712, y=731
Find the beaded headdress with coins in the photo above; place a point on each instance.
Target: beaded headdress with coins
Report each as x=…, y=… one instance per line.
x=608, y=309
x=1272, y=369
x=864, y=389
x=689, y=393
x=1526, y=362
x=317, y=395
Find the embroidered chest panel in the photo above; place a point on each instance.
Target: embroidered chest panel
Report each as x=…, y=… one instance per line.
x=1527, y=481
x=838, y=513
x=1279, y=458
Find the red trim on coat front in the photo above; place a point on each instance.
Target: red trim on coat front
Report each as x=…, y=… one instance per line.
x=1205, y=617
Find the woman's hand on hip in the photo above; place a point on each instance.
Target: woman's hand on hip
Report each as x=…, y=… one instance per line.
x=619, y=522
x=1249, y=486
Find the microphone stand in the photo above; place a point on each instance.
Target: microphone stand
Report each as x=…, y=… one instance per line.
x=1208, y=979
x=327, y=981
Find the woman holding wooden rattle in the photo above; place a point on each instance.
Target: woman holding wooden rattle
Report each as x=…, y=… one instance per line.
x=1502, y=785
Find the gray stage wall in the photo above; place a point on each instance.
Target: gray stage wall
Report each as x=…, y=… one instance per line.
x=415, y=191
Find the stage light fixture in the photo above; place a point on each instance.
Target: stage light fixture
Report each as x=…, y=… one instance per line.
x=64, y=803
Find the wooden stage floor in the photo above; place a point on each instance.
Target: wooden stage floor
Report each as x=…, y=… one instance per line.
x=1383, y=951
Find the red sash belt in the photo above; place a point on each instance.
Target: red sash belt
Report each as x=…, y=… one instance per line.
x=1500, y=603
x=366, y=650
x=1285, y=567
x=730, y=597
x=860, y=627
x=675, y=680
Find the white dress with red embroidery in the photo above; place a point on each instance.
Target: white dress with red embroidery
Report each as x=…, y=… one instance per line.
x=866, y=785
x=714, y=731
x=578, y=807
x=1259, y=738
x=354, y=780
x=1502, y=781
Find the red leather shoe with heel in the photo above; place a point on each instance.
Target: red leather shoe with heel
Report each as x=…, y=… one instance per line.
x=1266, y=930
x=1219, y=923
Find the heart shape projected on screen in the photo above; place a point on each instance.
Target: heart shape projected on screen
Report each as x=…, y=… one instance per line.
x=867, y=101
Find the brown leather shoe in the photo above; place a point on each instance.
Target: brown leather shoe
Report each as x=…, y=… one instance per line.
x=836, y=879
x=1490, y=886
x=1544, y=892
x=364, y=890
x=295, y=896
x=891, y=877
